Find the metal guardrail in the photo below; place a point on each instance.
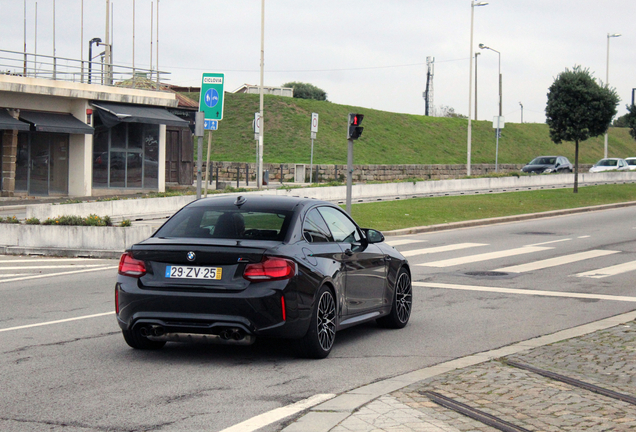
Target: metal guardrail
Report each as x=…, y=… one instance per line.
x=84, y=71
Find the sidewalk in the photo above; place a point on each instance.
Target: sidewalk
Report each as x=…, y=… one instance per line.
x=508, y=397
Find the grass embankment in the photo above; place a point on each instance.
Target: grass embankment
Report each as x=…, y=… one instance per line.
x=386, y=216
x=388, y=138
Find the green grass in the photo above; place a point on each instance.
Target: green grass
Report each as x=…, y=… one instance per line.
x=397, y=214
x=388, y=138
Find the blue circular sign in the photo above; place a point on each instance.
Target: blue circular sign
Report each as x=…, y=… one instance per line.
x=211, y=97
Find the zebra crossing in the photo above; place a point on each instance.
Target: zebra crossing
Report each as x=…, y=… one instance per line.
x=467, y=256
x=13, y=269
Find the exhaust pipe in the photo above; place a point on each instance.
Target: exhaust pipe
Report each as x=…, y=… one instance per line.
x=144, y=331
x=232, y=334
x=158, y=331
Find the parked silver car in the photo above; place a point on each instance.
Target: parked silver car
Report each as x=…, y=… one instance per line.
x=610, y=164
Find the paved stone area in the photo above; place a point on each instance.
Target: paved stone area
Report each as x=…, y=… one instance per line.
x=606, y=358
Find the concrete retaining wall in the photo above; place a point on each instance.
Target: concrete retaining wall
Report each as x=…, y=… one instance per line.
x=145, y=208
x=73, y=237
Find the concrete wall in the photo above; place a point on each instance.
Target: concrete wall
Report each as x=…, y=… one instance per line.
x=72, y=237
x=148, y=207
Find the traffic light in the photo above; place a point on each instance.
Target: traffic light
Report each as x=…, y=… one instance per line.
x=354, y=131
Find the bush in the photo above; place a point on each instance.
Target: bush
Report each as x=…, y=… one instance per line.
x=32, y=221
x=90, y=220
x=126, y=223
x=10, y=220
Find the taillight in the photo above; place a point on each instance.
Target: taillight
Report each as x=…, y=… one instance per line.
x=129, y=266
x=271, y=268
x=282, y=305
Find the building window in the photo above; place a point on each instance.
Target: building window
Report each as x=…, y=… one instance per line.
x=126, y=155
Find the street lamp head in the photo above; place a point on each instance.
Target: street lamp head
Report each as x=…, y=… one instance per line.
x=479, y=3
x=96, y=40
x=614, y=35
x=482, y=46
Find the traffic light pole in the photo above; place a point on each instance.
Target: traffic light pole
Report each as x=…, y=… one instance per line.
x=349, y=174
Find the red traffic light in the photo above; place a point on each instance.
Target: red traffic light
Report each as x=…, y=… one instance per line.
x=354, y=130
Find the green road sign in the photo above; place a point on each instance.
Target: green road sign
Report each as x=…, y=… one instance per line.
x=211, y=99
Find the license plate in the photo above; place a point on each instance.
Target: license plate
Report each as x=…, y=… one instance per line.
x=186, y=272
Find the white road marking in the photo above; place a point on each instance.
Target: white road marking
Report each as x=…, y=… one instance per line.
x=608, y=271
x=484, y=256
x=57, y=321
x=13, y=274
x=58, y=274
x=550, y=242
x=525, y=291
x=37, y=267
x=437, y=249
x=401, y=242
x=553, y=262
x=586, y=236
x=277, y=414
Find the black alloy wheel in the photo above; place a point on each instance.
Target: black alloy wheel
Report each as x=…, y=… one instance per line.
x=402, y=303
x=318, y=341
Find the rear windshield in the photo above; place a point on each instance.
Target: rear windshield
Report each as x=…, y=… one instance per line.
x=607, y=162
x=231, y=223
x=631, y=161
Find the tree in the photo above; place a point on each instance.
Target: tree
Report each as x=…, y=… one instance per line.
x=621, y=121
x=446, y=111
x=578, y=108
x=307, y=91
x=630, y=120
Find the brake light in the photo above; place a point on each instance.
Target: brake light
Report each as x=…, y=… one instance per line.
x=270, y=268
x=129, y=266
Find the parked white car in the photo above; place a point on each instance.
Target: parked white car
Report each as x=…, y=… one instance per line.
x=631, y=163
x=610, y=164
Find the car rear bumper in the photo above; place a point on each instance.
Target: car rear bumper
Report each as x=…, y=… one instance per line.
x=257, y=310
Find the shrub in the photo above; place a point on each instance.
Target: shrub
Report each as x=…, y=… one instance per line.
x=125, y=223
x=32, y=221
x=10, y=220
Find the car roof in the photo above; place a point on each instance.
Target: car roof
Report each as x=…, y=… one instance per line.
x=254, y=202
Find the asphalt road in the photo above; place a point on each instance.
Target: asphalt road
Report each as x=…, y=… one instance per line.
x=475, y=289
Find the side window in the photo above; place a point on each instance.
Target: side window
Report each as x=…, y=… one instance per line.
x=315, y=229
x=341, y=227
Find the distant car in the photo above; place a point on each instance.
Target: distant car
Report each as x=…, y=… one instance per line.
x=631, y=163
x=229, y=269
x=548, y=164
x=610, y=164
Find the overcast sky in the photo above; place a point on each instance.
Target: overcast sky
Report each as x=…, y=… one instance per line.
x=365, y=53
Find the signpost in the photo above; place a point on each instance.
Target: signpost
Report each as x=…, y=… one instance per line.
x=211, y=102
x=314, y=131
x=498, y=123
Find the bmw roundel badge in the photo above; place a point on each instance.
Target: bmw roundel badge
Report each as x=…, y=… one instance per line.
x=191, y=256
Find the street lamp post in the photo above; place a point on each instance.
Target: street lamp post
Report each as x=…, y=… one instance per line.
x=482, y=46
x=90, y=56
x=470, y=82
x=476, y=54
x=607, y=81
x=520, y=104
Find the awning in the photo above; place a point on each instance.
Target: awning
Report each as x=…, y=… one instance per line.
x=9, y=123
x=55, y=122
x=111, y=113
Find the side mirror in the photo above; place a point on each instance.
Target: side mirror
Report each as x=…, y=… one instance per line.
x=373, y=236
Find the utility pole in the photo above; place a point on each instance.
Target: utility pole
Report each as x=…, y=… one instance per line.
x=521, y=111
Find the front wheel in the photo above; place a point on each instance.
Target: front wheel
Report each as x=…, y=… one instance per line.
x=402, y=303
x=320, y=336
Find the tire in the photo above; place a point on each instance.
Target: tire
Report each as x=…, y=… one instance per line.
x=402, y=303
x=320, y=336
x=135, y=340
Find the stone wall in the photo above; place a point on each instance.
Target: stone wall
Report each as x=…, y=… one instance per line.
x=227, y=171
